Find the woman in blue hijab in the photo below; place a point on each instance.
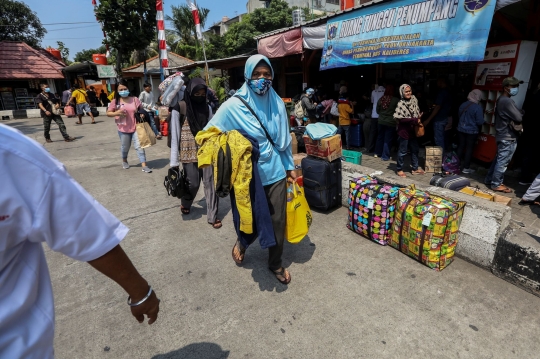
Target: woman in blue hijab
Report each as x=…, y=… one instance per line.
x=276, y=165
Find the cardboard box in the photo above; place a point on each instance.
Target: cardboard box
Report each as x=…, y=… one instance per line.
x=328, y=148
x=294, y=143
x=297, y=158
x=434, y=151
x=487, y=195
x=433, y=165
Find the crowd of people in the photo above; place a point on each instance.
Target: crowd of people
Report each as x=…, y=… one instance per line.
x=391, y=121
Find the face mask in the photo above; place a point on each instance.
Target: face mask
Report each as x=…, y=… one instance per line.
x=260, y=86
x=198, y=99
x=514, y=91
x=47, y=90
x=124, y=93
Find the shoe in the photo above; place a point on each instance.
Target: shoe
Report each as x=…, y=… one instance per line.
x=525, y=183
x=125, y=165
x=375, y=156
x=48, y=140
x=146, y=169
x=468, y=170
x=69, y=139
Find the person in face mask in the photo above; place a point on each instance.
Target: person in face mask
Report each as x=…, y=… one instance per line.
x=507, y=118
x=309, y=105
x=275, y=165
x=188, y=117
x=123, y=108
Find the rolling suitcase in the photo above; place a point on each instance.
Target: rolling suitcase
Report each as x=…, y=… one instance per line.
x=453, y=182
x=322, y=182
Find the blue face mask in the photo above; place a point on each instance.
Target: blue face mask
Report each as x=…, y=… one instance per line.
x=124, y=93
x=260, y=86
x=47, y=89
x=514, y=91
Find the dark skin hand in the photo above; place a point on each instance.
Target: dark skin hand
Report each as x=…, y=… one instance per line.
x=116, y=265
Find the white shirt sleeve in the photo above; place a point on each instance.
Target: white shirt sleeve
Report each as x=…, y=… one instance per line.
x=72, y=222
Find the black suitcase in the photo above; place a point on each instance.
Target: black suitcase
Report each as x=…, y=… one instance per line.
x=322, y=182
x=453, y=182
x=94, y=111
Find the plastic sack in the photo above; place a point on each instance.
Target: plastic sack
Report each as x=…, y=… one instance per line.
x=165, y=84
x=451, y=163
x=298, y=214
x=169, y=97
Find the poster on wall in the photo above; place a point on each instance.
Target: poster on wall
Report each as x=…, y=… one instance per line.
x=106, y=71
x=492, y=73
x=409, y=30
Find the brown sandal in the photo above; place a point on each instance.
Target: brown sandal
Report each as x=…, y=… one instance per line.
x=418, y=172
x=217, y=224
x=502, y=188
x=401, y=174
x=283, y=273
x=184, y=210
x=238, y=258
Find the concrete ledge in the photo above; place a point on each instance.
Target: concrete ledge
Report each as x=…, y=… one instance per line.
x=483, y=222
x=517, y=259
x=36, y=113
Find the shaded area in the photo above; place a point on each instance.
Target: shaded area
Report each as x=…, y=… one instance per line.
x=202, y=350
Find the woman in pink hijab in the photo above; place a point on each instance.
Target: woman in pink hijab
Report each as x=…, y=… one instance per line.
x=471, y=119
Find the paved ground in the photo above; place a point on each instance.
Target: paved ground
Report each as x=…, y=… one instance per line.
x=349, y=297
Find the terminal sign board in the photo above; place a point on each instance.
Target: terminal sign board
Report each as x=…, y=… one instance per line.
x=409, y=30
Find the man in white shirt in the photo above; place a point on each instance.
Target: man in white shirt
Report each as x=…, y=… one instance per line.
x=41, y=202
x=147, y=99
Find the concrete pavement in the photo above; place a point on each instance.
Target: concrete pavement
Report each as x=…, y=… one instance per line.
x=349, y=297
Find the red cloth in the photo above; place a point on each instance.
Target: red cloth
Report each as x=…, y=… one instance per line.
x=284, y=44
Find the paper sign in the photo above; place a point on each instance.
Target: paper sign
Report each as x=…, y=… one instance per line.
x=370, y=203
x=105, y=71
x=427, y=219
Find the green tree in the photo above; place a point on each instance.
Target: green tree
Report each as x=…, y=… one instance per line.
x=64, y=51
x=239, y=38
x=129, y=24
x=277, y=16
x=86, y=55
x=19, y=23
x=183, y=28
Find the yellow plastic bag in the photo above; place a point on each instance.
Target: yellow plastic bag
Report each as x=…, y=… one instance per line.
x=298, y=214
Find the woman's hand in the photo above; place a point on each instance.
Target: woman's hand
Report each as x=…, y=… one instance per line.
x=291, y=176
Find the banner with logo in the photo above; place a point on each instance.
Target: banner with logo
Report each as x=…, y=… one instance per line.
x=409, y=30
x=106, y=71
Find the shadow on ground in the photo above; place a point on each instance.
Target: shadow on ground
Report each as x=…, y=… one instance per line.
x=202, y=350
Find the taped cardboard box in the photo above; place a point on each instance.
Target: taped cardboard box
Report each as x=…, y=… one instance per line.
x=434, y=151
x=327, y=148
x=294, y=143
x=487, y=195
x=433, y=165
x=297, y=158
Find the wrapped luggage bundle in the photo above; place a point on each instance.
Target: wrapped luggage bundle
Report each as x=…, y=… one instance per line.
x=371, y=209
x=426, y=227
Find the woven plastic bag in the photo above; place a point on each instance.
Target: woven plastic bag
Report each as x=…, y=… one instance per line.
x=298, y=214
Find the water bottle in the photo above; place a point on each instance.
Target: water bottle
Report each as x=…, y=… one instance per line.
x=121, y=120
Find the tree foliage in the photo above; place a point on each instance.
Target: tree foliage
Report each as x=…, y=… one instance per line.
x=183, y=30
x=129, y=24
x=86, y=55
x=19, y=23
x=64, y=51
x=277, y=16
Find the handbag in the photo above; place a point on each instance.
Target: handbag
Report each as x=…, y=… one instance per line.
x=419, y=130
x=54, y=110
x=298, y=214
x=176, y=184
x=146, y=136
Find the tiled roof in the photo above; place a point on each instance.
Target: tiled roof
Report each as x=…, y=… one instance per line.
x=20, y=61
x=175, y=60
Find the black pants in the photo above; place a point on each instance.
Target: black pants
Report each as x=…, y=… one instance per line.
x=276, y=194
x=466, y=148
x=373, y=132
x=47, y=124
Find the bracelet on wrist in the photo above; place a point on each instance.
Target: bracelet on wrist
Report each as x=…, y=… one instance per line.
x=140, y=301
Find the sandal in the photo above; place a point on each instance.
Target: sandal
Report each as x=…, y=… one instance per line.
x=93, y=123
x=401, y=174
x=78, y=123
x=238, y=257
x=529, y=203
x=184, y=210
x=502, y=188
x=418, y=172
x=217, y=224
x=282, y=272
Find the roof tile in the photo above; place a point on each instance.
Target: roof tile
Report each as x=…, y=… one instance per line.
x=20, y=61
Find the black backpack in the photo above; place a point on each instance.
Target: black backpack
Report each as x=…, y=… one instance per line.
x=176, y=184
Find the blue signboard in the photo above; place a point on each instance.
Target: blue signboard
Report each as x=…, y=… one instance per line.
x=409, y=30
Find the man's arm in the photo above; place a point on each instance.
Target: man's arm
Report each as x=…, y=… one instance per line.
x=116, y=265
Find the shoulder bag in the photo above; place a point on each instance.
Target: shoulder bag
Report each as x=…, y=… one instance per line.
x=54, y=110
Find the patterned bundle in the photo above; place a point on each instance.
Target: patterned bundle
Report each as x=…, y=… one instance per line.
x=371, y=209
x=426, y=227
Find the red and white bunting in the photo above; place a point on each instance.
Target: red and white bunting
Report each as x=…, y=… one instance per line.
x=196, y=18
x=162, y=41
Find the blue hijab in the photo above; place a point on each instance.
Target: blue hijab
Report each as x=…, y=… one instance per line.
x=234, y=115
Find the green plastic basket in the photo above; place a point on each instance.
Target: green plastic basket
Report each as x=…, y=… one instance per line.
x=352, y=156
